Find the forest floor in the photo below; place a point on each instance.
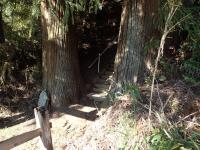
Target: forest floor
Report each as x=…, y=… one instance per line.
x=82, y=127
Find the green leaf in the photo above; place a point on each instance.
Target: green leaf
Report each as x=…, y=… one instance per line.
x=183, y=148
x=162, y=78
x=66, y=16
x=156, y=138
x=177, y=145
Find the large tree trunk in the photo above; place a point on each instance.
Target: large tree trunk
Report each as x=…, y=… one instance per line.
x=129, y=57
x=61, y=75
x=2, y=38
x=151, y=31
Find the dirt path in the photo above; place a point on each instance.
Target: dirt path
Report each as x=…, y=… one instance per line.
x=77, y=127
x=65, y=125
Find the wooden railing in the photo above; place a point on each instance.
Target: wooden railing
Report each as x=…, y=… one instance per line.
x=42, y=131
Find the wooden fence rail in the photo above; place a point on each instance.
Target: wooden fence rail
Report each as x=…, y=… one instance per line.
x=43, y=131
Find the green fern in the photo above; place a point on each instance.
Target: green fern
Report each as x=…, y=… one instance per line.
x=174, y=139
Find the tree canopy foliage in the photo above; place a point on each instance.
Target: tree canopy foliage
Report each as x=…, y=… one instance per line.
x=21, y=25
x=21, y=21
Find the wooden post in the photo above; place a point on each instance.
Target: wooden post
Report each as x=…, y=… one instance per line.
x=20, y=139
x=42, y=121
x=99, y=59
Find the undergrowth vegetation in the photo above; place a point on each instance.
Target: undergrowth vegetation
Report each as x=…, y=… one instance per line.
x=175, y=138
x=182, y=45
x=131, y=137
x=20, y=55
x=160, y=137
x=181, y=57
x=140, y=131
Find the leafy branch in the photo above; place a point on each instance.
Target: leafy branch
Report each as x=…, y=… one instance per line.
x=168, y=27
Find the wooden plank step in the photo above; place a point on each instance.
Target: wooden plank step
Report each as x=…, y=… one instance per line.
x=102, y=86
x=99, y=90
x=20, y=139
x=108, y=73
x=104, y=81
x=97, y=97
x=107, y=77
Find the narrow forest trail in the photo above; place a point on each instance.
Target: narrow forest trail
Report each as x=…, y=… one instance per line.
x=72, y=122
x=83, y=127
x=66, y=125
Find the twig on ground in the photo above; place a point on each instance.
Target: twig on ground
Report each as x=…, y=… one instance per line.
x=167, y=101
x=145, y=106
x=182, y=119
x=161, y=103
x=3, y=73
x=195, y=123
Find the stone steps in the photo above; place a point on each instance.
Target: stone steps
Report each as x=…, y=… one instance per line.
x=97, y=96
x=99, y=90
x=102, y=84
x=103, y=81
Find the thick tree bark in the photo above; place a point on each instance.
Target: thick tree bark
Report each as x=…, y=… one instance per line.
x=61, y=75
x=129, y=57
x=136, y=30
x=2, y=38
x=151, y=15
